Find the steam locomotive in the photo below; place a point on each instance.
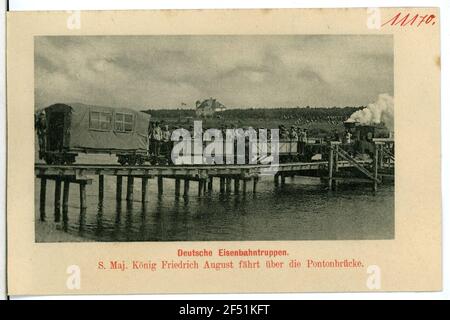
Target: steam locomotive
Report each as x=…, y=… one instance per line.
x=363, y=135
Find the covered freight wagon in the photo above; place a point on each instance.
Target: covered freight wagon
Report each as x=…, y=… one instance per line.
x=75, y=128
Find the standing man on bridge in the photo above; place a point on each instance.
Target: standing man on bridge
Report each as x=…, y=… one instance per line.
x=303, y=139
x=293, y=135
x=166, y=139
x=156, y=138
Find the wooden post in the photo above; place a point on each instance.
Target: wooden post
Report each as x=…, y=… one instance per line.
x=177, y=187
x=276, y=179
x=57, y=199
x=381, y=156
x=228, y=185
x=101, y=186
x=244, y=186
x=255, y=183
x=119, y=188
x=83, y=204
x=144, y=189
x=222, y=184
x=236, y=185
x=283, y=179
x=330, y=167
x=204, y=186
x=375, y=169
x=210, y=184
x=200, y=187
x=66, y=201
x=186, y=187
x=42, y=198
x=130, y=186
x=160, y=185
x=336, y=159
x=335, y=185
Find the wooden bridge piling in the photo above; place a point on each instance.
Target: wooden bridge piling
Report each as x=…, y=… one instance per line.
x=186, y=188
x=160, y=185
x=228, y=185
x=144, y=190
x=210, y=184
x=255, y=184
x=236, y=185
x=200, y=187
x=119, y=189
x=101, y=188
x=83, y=203
x=177, y=187
x=42, y=198
x=130, y=187
x=57, y=199
x=244, y=187
x=65, y=208
x=222, y=184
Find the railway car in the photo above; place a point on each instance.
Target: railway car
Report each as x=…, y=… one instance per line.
x=78, y=128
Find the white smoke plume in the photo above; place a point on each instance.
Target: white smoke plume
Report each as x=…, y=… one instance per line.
x=380, y=111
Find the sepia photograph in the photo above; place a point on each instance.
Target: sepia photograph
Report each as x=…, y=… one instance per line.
x=224, y=151
x=214, y=138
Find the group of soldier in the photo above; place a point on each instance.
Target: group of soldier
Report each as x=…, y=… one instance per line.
x=295, y=133
x=159, y=136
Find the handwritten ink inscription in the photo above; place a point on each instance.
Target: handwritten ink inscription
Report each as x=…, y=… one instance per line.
x=411, y=20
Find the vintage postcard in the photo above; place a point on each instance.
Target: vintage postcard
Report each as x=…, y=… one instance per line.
x=224, y=151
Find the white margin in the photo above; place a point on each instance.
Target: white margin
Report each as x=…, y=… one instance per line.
x=28, y=5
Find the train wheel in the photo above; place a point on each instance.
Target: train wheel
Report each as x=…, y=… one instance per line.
x=48, y=159
x=59, y=160
x=70, y=160
x=140, y=160
x=67, y=159
x=122, y=160
x=132, y=160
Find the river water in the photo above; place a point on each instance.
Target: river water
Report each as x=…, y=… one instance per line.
x=303, y=209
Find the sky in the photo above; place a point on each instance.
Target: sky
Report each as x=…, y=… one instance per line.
x=154, y=72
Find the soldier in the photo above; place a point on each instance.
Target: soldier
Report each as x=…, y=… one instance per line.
x=293, y=134
x=41, y=127
x=156, y=138
x=166, y=138
x=303, y=139
x=348, y=137
x=166, y=133
x=283, y=132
